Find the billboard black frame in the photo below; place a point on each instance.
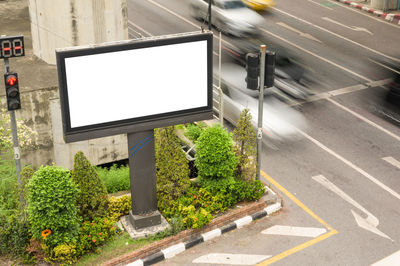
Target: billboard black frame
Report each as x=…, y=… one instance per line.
x=139, y=123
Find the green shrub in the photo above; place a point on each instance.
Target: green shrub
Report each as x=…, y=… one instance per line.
x=95, y=233
x=8, y=186
x=14, y=234
x=193, y=132
x=26, y=174
x=65, y=254
x=214, y=156
x=115, y=179
x=119, y=207
x=244, y=136
x=171, y=166
x=92, y=200
x=193, y=218
x=51, y=205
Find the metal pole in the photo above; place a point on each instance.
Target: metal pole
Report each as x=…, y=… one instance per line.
x=221, y=95
x=17, y=156
x=260, y=110
x=209, y=14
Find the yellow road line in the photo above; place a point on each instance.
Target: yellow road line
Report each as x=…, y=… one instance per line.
x=297, y=248
x=307, y=210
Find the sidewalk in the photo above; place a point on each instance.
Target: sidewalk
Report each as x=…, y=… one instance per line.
x=392, y=16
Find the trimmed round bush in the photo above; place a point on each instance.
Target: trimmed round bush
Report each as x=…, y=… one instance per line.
x=215, y=157
x=51, y=206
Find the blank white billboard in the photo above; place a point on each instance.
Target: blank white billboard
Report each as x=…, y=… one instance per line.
x=125, y=84
x=136, y=83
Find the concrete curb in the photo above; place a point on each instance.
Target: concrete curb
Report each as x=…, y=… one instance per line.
x=394, y=18
x=178, y=248
x=168, y=247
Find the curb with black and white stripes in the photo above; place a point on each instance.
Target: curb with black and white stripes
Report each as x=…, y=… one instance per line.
x=178, y=248
x=394, y=18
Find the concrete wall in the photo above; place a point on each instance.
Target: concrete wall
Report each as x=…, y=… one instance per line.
x=379, y=4
x=41, y=111
x=64, y=23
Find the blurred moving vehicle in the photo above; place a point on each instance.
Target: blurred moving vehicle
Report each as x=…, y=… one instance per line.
x=281, y=123
x=259, y=5
x=290, y=76
x=229, y=16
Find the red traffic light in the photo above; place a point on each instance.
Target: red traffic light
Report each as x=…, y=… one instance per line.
x=11, y=80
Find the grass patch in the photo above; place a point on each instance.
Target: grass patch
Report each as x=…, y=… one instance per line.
x=121, y=245
x=115, y=179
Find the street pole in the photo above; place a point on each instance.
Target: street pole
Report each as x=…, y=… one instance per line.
x=209, y=15
x=260, y=110
x=17, y=156
x=221, y=98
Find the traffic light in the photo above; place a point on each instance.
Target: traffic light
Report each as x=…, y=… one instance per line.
x=12, y=91
x=269, y=71
x=253, y=71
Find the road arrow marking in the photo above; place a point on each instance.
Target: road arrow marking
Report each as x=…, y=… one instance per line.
x=302, y=34
x=392, y=161
x=348, y=27
x=393, y=259
x=370, y=223
x=364, y=223
x=232, y=259
x=294, y=231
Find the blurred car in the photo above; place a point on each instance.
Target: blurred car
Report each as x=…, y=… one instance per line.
x=259, y=5
x=290, y=76
x=281, y=123
x=230, y=16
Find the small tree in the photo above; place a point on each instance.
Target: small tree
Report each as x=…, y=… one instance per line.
x=171, y=165
x=93, y=198
x=244, y=135
x=215, y=157
x=51, y=206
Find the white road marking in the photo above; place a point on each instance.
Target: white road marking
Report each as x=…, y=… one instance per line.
x=350, y=164
x=337, y=35
x=232, y=259
x=294, y=231
x=385, y=66
x=361, y=13
x=348, y=27
x=319, y=57
x=140, y=28
x=365, y=119
x=302, y=34
x=319, y=4
x=370, y=223
x=392, y=161
x=391, y=260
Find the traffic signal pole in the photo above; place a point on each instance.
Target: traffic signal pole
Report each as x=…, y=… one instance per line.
x=17, y=156
x=260, y=110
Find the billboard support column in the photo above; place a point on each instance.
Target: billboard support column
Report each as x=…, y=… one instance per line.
x=143, y=180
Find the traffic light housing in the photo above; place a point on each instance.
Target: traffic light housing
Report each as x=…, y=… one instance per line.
x=269, y=71
x=12, y=91
x=253, y=71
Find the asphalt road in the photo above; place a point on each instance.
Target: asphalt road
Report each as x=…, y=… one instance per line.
x=341, y=182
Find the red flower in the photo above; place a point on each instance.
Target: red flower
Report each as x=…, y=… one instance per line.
x=105, y=220
x=94, y=240
x=100, y=234
x=92, y=224
x=195, y=196
x=88, y=235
